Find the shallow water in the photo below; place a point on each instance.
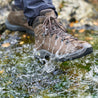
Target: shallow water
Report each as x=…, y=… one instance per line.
x=23, y=76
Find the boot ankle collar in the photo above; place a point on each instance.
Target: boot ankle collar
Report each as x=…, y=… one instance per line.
x=48, y=12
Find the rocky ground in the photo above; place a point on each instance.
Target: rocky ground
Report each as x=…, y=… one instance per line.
x=4, y=9
x=79, y=12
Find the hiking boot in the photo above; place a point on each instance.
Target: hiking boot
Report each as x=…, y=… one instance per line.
x=16, y=21
x=52, y=40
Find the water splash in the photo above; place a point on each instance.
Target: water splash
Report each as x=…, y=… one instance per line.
x=25, y=76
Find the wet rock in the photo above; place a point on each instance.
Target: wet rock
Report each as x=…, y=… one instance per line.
x=4, y=9
x=80, y=7
x=4, y=3
x=85, y=27
x=3, y=15
x=80, y=10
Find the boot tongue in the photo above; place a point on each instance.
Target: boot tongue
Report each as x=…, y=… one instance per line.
x=48, y=12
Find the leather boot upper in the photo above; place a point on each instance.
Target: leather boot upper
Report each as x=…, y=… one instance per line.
x=50, y=35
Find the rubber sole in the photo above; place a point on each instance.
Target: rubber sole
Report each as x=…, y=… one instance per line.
x=88, y=51
x=17, y=28
x=62, y=58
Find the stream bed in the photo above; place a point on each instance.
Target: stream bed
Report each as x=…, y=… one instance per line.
x=23, y=76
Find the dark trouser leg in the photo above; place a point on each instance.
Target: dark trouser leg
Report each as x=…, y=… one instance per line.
x=32, y=8
x=19, y=4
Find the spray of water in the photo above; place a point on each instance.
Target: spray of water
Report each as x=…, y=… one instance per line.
x=24, y=76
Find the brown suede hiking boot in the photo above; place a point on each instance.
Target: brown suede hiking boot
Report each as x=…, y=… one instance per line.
x=51, y=39
x=16, y=21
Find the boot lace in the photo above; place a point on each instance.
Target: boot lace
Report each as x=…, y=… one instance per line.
x=52, y=26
